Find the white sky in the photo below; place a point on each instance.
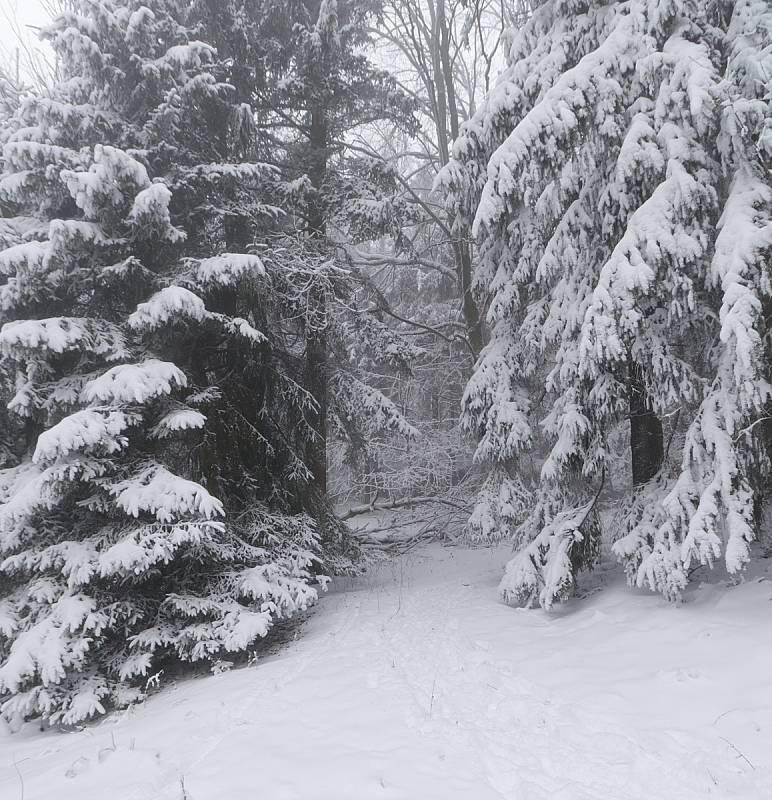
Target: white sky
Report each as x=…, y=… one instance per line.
x=16, y=17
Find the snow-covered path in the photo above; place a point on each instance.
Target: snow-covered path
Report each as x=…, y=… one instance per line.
x=415, y=684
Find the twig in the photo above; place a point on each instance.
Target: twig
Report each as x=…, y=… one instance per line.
x=724, y=714
x=751, y=427
x=739, y=752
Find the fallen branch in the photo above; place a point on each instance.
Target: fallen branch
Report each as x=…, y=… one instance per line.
x=405, y=502
x=367, y=533
x=400, y=545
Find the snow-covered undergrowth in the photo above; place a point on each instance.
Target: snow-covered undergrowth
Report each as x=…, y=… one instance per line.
x=413, y=683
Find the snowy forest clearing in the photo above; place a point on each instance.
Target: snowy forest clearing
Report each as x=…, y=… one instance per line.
x=413, y=682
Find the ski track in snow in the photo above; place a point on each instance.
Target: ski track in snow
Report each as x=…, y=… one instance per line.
x=414, y=684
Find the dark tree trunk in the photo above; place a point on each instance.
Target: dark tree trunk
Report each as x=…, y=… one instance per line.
x=766, y=423
x=315, y=380
x=646, y=440
x=463, y=255
x=317, y=170
x=764, y=492
x=316, y=345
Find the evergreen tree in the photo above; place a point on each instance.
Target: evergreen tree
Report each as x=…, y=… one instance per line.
x=313, y=85
x=618, y=178
x=155, y=511
x=11, y=232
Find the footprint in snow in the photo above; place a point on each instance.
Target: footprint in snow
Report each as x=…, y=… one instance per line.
x=681, y=675
x=78, y=767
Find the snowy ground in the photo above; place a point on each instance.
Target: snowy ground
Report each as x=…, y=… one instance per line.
x=415, y=684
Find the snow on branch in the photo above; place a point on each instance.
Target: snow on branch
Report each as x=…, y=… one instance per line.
x=139, y=549
x=165, y=495
x=61, y=334
x=24, y=256
x=179, y=419
x=135, y=383
x=87, y=430
x=545, y=569
x=150, y=212
x=168, y=305
x=227, y=269
x=112, y=175
x=745, y=233
x=58, y=642
x=548, y=128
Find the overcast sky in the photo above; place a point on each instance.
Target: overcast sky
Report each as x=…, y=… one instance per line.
x=16, y=17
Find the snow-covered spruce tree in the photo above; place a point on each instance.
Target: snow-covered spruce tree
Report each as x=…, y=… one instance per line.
x=154, y=512
x=10, y=231
x=618, y=177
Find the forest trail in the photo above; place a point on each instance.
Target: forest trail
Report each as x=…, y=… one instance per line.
x=413, y=683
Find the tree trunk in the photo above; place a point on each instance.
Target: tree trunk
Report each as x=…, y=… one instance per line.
x=471, y=312
x=646, y=440
x=766, y=424
x=316, y=346
x=315, y=380
x=461, y=248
